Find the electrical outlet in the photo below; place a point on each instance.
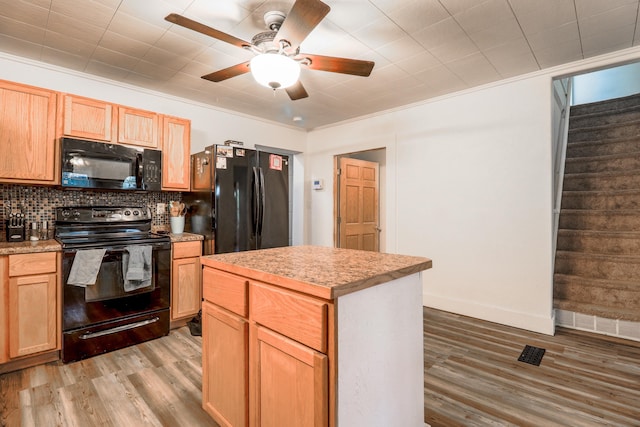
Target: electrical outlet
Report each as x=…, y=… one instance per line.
x=161, y=208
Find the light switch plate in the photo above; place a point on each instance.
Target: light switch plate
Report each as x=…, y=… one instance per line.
x=161, y=208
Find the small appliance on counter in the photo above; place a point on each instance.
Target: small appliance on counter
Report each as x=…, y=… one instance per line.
x=14, y=226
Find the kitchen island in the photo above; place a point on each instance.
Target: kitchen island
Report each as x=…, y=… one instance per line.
x=313, y=336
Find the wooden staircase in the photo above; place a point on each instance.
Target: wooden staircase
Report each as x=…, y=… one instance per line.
x=597, y=268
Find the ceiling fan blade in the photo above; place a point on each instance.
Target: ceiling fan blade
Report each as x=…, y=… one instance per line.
x=185, y=22
x=296, y=91
x=301, y=20
x=227, y=73
x=333, y=64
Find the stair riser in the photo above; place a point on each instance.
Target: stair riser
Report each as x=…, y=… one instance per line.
x=600, y=296
x=600, y=201
x=599, y=222
x=602, y=164
x=597, y=244
x=611, y=105
x=623, y=131
x=602, y=148
x=601, y=183
x=604, y=119
x=597, y=268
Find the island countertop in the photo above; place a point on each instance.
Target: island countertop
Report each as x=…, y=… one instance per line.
x=320, y=271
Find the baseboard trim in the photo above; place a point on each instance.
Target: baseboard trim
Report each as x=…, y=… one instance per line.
x=526, y=321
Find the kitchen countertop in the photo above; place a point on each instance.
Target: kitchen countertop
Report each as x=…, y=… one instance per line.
x=321, y=271
x=29, y=247
x=52, y=245
x=185, y=237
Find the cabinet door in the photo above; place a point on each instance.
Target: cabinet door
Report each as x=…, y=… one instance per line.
x=225, y=363
x=4, y=315
x=138, y=127
x=186, y=289
x=32, y=314
x=27, y=132
x=88, y=118
x=176, y=153
x=289, y=384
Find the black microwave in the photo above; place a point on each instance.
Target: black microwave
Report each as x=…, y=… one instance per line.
x=99, y=165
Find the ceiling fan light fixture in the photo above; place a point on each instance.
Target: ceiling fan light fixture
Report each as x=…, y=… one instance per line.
x=274, y=70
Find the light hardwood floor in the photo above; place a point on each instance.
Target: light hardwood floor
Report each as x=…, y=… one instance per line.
x=472, y=378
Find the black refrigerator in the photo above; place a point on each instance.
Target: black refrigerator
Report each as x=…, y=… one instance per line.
x=239, y=199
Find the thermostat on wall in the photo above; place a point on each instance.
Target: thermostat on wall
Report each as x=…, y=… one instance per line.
x=318, y=184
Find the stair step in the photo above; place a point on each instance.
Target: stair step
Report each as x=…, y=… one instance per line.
x=626, y=130
x=621, y=313
x=578, y=289
x=607, y=163
x=598, y=266
x=601, y=200
x=616, y=180
x=606, y=106
x=602, y=242
x=603, y=118
x=599, y=220
x=603, y=148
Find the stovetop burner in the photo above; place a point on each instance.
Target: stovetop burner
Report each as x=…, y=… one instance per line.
x=82, y=226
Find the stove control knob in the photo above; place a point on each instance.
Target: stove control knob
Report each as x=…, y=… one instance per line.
x=127, y=212
x=76, y=213
x=136, y=213
x=66, y=213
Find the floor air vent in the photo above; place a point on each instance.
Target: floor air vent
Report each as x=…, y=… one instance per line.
x=531, y=355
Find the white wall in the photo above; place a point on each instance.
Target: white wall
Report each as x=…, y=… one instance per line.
x=606, y=84
x=469, y=186
x=208, y=125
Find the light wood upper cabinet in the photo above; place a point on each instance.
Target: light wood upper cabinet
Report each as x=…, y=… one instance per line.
x=186, y=282
x=176, y=150
x=27, y=132
x=88, y=118
x=138, y=127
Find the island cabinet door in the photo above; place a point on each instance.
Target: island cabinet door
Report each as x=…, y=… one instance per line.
x=289, y=382
x=225, y=365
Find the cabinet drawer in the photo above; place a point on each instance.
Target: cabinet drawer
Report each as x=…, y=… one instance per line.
x=187, y=249
x=26, y=264
x=226, y=290
x=300, y=318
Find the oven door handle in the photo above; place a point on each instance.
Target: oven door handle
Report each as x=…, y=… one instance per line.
x=117, y=329
x=118, y=249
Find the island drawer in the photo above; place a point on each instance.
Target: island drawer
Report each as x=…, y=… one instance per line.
x=226, y=290
x=35, y=263
x=298, y=317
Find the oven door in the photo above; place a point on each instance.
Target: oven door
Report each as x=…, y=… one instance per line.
x=109, y=298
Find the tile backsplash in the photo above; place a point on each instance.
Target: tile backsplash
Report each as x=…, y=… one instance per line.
x=38, y=203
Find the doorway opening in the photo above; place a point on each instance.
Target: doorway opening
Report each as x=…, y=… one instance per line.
x=359, y=204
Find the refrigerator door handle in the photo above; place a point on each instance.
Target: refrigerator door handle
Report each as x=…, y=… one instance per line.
x=262, y=202
x=256, y=200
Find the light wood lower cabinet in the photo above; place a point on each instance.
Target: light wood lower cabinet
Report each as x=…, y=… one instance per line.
x=225, y=361
x=290, y=382
x=31, y=321
x=288, y=365
x=186, y=283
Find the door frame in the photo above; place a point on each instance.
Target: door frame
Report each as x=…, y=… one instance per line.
x=378, y=155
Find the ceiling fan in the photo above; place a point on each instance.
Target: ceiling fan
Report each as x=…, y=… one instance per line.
x=278, y=57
